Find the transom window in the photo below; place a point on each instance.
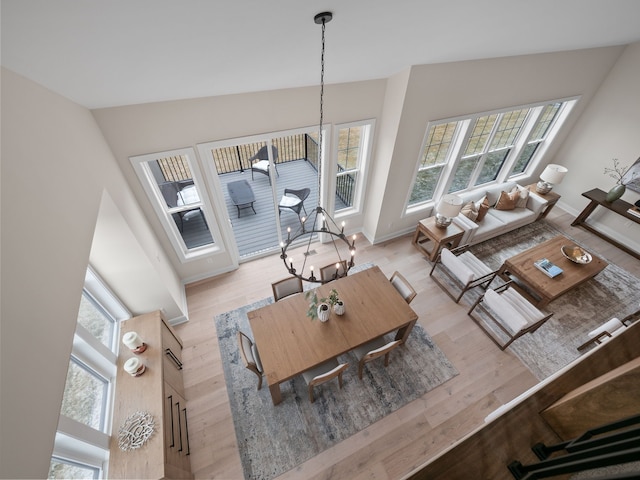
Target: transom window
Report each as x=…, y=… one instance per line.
x=488, y=147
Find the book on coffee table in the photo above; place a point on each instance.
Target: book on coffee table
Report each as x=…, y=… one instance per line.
x=547, y=267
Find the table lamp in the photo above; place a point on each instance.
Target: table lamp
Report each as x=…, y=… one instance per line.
x=448, y=207
x=552, y=175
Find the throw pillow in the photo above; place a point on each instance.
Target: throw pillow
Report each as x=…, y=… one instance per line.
x=483, y=209
x=470, y=211
x=507, y=201
x=524, y=196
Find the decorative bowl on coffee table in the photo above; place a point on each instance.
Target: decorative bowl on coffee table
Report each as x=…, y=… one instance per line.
x=576, y=254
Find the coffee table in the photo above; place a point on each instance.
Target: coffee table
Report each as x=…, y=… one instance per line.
x=241, y=195
x=538, y=287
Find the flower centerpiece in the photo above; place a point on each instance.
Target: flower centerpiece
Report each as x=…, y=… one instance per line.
x=320, y=308
x=617, y=173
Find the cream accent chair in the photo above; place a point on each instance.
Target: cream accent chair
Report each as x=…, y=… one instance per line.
x=323, y=373
x=330, y=272
x=464, y=269
x=403, y=286
x=513, y=314
x=605, y=331
x=250, y=356
x=372, y=350
x=285, y=287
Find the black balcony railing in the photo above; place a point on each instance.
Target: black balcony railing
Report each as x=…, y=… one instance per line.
x=345, y=186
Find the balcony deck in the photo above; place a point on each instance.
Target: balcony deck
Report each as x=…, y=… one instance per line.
x=256, y=234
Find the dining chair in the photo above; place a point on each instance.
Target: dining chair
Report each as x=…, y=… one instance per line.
x=333, y=271
x=508, y=311
x=261, y=164
x=374, y=349
x=294, y=200
x=464, y=270
x=323, y=373
x=403, y=286
x=250, y=356
x=285, y=287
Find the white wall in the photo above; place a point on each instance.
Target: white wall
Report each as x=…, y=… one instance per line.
x=56, y=167
x=608, y=129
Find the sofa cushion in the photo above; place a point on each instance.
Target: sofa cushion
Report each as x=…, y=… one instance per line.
x=493, y=192
x=482, y=210
x=470, y=211
x=523, y=197
x=507, y=201
x=517, y=216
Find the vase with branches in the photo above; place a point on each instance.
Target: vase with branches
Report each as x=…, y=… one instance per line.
x=617, y=173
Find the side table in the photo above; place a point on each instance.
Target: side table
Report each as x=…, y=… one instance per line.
x=427, y=231
x=551, y=198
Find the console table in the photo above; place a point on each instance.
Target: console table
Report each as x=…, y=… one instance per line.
x=598, y=197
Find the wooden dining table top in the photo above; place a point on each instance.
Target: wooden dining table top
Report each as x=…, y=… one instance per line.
x=290, y=343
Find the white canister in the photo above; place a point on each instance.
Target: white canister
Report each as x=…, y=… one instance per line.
x=134, y=367
x=134, y=342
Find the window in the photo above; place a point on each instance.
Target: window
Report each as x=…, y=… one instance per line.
x=175, y=188
x=82, y=440
x=488, y=147
x=352, y=151
x=64, y=469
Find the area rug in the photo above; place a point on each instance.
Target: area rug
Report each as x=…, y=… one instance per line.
x=274, y=439
x=614, y=292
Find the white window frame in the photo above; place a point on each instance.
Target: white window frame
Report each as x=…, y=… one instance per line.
x=459, y=143
x=76, y=442
x=364, y=154
x=185, y=254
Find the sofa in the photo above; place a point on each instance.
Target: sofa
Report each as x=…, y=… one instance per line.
x=497, y=220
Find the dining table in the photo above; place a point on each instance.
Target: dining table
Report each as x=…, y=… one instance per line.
x=290, y=343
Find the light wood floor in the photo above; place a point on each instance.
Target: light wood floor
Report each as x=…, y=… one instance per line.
x=401, y=441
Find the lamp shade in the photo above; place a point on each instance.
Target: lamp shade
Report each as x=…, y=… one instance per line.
x=553, y=174
x=449, y=205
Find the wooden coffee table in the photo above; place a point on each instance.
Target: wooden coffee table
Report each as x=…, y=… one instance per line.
x=538, y=287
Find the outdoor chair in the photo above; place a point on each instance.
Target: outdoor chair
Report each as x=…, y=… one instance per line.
x=333, y=271
x=403, y=286
x=323, y=373
x=260, y=162
x=510, y=312
x=285, y=287
x=250, y=356
x=464, y=269
x=172, y=196
x=294, y=200
x=374, y=349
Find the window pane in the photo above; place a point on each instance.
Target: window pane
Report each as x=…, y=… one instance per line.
x=480, y=134
x=173, y=177
x=462, y=176
x=492, y=164
x=525, y=157
x=508, y=129
x=64, y=469
x=85, y=396
x=549, y=113
x=345, y=190
x=348, y=148
x=438, y=142
x=426, y=182
x=92, y=317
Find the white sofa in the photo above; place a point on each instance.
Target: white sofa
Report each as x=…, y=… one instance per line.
x=497, y=222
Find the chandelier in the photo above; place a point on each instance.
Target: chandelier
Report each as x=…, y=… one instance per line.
x=319, y=223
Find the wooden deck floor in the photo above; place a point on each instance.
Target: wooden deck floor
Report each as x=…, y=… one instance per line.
x=255, y=233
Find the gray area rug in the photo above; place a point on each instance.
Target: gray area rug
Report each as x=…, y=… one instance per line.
x=274, y=439
x=614, y=292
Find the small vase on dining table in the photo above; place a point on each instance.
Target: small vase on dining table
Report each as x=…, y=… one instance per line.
x=616, y=192
x=323, y=312
x=338, y=308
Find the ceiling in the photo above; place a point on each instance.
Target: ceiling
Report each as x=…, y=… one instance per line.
x=121, y=52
